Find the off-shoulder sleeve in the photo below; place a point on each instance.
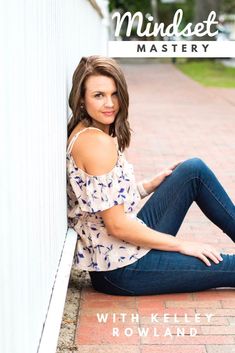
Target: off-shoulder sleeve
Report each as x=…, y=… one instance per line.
x=98, y=193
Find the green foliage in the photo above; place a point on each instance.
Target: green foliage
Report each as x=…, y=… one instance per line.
x=209, y=73
x=228, y=6
x=130, y=5
x=165, y=11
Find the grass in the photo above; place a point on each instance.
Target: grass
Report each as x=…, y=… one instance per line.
x=209, y=72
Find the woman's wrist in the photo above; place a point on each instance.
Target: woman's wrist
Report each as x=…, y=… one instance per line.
x=142, y=191
x=148, y=186
x=145, y=188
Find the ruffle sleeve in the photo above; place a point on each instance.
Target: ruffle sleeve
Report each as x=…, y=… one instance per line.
x=98, y=193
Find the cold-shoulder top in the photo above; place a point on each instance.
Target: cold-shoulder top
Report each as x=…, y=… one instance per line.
x=96, y=249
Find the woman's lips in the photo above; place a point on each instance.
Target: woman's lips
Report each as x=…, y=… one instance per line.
x=109, y=113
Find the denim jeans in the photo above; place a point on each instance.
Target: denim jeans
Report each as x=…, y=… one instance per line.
x=159, y=271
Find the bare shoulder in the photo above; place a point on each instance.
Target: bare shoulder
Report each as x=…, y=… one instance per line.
x=95, y=151
x=91, y=140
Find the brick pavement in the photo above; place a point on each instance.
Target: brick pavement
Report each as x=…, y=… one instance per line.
x=172, y=118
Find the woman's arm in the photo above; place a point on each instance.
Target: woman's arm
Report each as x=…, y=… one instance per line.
x=125, y=228
x=121, y=226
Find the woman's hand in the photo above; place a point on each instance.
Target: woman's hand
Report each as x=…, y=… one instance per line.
x=201, y=250
x=152, y=184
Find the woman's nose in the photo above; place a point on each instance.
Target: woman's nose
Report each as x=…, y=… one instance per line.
x=109, y=102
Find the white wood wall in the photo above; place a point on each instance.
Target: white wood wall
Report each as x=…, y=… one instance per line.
x=41, y=43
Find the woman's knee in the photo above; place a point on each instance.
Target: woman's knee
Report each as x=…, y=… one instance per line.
x=194, y=165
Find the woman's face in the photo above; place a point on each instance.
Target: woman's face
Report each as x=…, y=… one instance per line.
x=101, y=100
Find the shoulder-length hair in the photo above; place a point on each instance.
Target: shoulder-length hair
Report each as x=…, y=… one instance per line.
x=98, y=65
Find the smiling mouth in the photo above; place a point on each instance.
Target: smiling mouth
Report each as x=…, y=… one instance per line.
x=109, y=113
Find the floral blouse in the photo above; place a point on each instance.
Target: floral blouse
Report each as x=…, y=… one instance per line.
x=96, y=250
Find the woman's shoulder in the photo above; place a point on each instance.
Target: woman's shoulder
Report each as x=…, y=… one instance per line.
x=95, y=151
x=92, y=140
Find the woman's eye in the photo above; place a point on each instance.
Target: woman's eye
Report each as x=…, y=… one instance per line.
x=98, y=95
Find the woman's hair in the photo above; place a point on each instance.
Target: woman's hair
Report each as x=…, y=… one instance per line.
x=98, y=65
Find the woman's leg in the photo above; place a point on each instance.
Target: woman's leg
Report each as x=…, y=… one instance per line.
x=161, y=272
x=190, y=181
x=171, y=272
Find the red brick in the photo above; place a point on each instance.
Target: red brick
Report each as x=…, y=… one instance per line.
x=108, y=348
x=218, y=330
x=149, y=305
x=107, y=304
x=217, y=294
x=87, y=320
x=220, y=349
x=203, y=339
x=173, y=349
x=220, y=321
x=225, y=294
x=217, y=312
x=228, y=304
x=194, y=304
x=101, y=296
x=161, y=329
x=93, y=311
x=161, y=311
x=164, y=297
x=104, y=335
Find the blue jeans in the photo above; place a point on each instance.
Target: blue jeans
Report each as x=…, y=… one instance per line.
x=159, y=271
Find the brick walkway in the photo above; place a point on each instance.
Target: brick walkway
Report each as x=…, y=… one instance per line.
x=172, y=118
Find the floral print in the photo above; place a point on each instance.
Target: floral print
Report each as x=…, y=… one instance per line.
x=96, y=250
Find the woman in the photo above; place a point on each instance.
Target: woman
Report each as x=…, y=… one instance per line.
x=127, y=254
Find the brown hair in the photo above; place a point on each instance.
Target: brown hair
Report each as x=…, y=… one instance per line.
x=98, y=65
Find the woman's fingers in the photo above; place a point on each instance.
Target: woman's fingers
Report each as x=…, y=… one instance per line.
x=163, y=174
x=176, y=164
x=204, y=259
x=204, y=252
x=167, y=172
x=217, y=255
x=211, y=254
